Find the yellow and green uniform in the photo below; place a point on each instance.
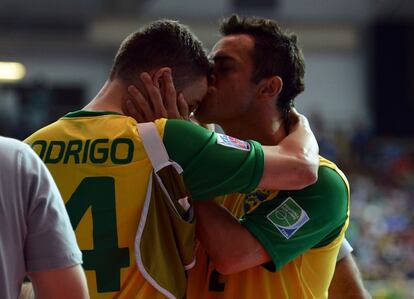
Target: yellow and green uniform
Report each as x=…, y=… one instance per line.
x=102, y=171
x=301, y=230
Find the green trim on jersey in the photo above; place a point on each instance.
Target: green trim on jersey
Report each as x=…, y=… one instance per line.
x=314, y=216
x=85, y=113
x=211, y=169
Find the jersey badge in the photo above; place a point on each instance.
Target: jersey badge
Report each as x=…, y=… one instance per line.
x=254, y=199
x=229, y=141
x=288, y=217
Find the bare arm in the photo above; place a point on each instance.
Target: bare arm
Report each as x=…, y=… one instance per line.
x=347, y=282
x=293, y=163
x=67, y=283
x=238, y=249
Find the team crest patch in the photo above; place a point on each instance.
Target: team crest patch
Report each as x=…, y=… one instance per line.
x=254, y=199
x=288, y=217
x=233, y=142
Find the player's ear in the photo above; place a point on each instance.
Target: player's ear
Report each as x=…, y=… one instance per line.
x=157, y=76
x=270, y=87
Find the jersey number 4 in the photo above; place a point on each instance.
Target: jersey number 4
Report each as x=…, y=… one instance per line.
x=106, y=258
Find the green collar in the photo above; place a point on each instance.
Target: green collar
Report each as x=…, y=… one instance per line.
x=84, y=113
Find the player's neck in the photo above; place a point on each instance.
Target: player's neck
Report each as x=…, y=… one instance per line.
x=265, y=127
x=109, y=98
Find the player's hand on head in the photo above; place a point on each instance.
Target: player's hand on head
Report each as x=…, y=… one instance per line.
x=137, y=106
x=297, y=120
x=161, y=100
x=182, y=105
x=301, y=136
x=175, y=104
x=145, y=107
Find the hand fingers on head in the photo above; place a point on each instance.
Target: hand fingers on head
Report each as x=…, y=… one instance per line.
x=138, y=106
x=136, y=95
x=176, y=105
x=183, y=106
x=132, y=107
x=154, y=95
x=169, y=90
x=294, y=116
x=170, y=96
x=130, y=110
x=293, y=110
x=300, y=118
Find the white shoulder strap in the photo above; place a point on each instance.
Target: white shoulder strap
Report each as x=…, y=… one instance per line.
x=154, y=146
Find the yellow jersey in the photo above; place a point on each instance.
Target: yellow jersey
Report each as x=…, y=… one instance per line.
x=301, y=230
x=102, y=171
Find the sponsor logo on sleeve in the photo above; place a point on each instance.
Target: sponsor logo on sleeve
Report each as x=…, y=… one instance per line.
x=288, y=217
x=229, y=141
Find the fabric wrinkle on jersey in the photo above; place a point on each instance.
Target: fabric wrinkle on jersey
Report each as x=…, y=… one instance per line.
x=101, y=168
x=163, y=261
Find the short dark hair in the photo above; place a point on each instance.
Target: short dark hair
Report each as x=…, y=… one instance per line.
x=275, y=53
x=161, y=43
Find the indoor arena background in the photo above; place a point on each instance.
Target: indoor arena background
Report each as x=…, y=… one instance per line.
x=359, y=93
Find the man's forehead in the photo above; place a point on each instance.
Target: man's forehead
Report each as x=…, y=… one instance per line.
x=232, y=45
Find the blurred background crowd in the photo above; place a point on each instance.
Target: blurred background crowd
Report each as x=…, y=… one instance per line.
x=359, y=94
x=381, y=175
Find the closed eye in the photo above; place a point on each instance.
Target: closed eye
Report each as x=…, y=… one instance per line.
x=223, y=68
x=223, y=63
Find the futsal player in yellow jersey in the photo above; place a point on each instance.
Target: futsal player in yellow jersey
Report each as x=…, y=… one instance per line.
x=97, y=158
x=301, y=231
x=273, y=244
x=277, y=244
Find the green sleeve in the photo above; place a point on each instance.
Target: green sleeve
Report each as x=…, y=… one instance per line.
x=296, y=221
x=212, y=169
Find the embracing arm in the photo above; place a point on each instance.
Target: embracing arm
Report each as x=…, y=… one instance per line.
x=231, y=247
x=293, y=163
x=254, y=239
